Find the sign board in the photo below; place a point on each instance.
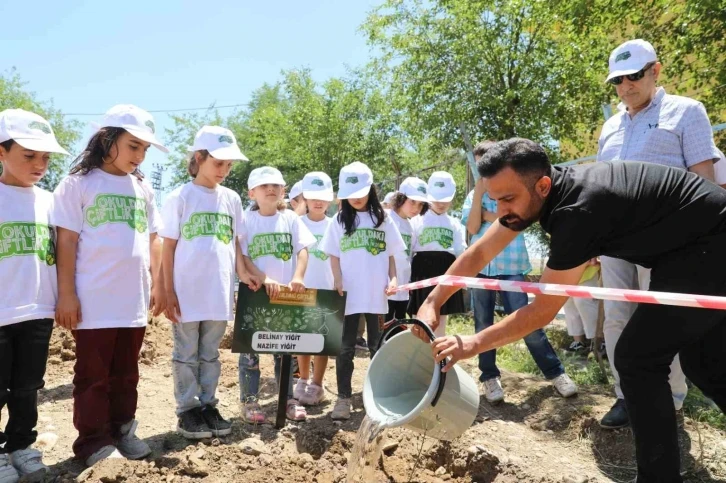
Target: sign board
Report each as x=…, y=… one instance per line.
x=294, y=323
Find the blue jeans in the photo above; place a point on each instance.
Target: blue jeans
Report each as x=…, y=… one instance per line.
x=249, y=377
x=537, y=343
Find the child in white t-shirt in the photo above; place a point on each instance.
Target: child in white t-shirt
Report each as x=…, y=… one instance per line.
x=277, y=244
x=362, y=243
x=109, y=260
x=438, y=240
x=408, y=202
x=202, y=221
x=297, y=201
x=317, y=193
x=28, y=296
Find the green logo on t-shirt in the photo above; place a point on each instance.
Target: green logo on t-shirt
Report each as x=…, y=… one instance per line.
x=279, y=245
x=622, y=56
x=315, y=251
x=208, y=224
x=118, y=209
x=373, y=241
x=443, y=236
x=407, y=241
x=22, y=238
x=39, y=125
x=224, y=138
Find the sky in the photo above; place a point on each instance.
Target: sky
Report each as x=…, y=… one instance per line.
x=86, y=56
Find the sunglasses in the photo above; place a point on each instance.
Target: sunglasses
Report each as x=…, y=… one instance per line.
x=616, y=81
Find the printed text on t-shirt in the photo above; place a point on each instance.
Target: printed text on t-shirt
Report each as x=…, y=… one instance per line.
x=108, y=208
x=443, y=236
x=278, y=245
x=373, y=241
x=208, y=224
x=23, y=238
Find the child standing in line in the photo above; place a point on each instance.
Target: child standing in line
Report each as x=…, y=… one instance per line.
x=317, y=193
x=437, y=241
x=203, y=222
x=408, y=202
x=361, y=243
x=27, y=304
x=277, y=244
x=297, y=201
x=109, y=259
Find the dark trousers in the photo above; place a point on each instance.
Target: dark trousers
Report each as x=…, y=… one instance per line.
x=653, y=336
x=344, y=361
x=23, y=355
x=104, y=385
x=397, y=309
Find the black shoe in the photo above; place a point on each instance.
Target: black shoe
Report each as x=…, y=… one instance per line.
x=603, y=351
x=215, y=421
x=361, y=344
x=191, y=425
x=577, y=348
x=617, y=417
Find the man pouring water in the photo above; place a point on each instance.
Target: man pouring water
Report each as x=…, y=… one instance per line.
x=659, y=217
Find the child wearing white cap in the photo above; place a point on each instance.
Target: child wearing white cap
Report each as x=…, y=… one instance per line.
x=28, y=297
x=277, y=244
x=202, y=221
x=437, y=241
x=387, y=200
x=109, y=276
x=317, y=193
x=407, y=203
x=361, y=244
x=297, y=201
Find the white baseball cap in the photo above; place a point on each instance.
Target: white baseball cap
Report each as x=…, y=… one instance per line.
x=630, y=57
x=415, y=189
x=29, y=130
x=220, y=143
x=317, y=186
x=441, y=187
x=389, y=196
x=355, y=181
x=264, y=175
x=296, y=190
x=135, y=121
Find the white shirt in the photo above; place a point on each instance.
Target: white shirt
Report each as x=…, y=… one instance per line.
x=437, y=233
x=113, y=216
x=27, y=255
x=206, y=224
x=364, y=261
x=403, y=259
x=671, y=130
x=273, y=242
x=719, y=170
x=319, y=274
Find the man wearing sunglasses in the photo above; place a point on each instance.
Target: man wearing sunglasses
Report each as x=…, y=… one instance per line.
x=654, y=127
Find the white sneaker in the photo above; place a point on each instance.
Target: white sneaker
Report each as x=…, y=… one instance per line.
x=313, y=396
x=298, y=391
x=493, y=391
x=341, y=410
x=129, y=444
x=564, y=385
x=8, y=474
x=107, y=452
x=29, y=464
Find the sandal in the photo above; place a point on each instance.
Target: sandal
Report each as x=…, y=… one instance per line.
x=252, y=413
x=294, y=411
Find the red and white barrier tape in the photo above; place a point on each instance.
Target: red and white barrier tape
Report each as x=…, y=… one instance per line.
x=639, y=296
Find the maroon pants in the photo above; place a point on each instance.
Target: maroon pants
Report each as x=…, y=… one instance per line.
x=104, y=385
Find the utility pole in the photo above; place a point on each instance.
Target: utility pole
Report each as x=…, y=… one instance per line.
x=156, y=178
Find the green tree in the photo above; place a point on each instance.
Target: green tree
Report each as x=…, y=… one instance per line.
x=13, y=95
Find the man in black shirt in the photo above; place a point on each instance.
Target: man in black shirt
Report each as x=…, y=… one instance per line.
x=659, y=217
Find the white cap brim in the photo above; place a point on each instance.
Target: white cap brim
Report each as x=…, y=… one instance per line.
x=445, y=199
x=42, y=145
x=229, y=153
x=134, y=131
x=279, y=182
x=417, y=198
x=318, y=195
x=620, y=72
x=342, y=195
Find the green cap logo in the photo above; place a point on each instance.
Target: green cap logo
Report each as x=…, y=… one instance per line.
x=150, y=125
x=623, y=56
x=352, y=179
x=41, y=126
x=226, y=139
x=422, y=189
x=317, y=182
x=439, y=184
x=265, y=171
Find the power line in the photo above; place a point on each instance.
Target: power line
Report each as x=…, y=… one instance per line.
x=156, y=111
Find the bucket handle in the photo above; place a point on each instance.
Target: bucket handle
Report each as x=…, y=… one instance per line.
x=399, y=322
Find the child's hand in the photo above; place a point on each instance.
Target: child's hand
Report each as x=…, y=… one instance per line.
x=272, y=287
x=68, y=311
x=157, y=303
x=172, y=310
x=252, y=281
x=297, y=285
x=392, y=285
x=338, y=285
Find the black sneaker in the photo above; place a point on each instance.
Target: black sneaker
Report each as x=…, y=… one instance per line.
x=215, y=421
x=191, y=425
x=603, y=351
x=617, y=417
x=361, y=344
x=577, y=347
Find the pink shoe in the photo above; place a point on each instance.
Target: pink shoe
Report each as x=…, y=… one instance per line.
x=294, y=411
x=253, y=414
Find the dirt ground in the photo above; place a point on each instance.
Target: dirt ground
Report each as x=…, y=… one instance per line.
x=533, y=436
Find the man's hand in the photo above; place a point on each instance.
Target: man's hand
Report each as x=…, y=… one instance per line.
x=456, y=347
x=429, y=316
x=480, y=188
